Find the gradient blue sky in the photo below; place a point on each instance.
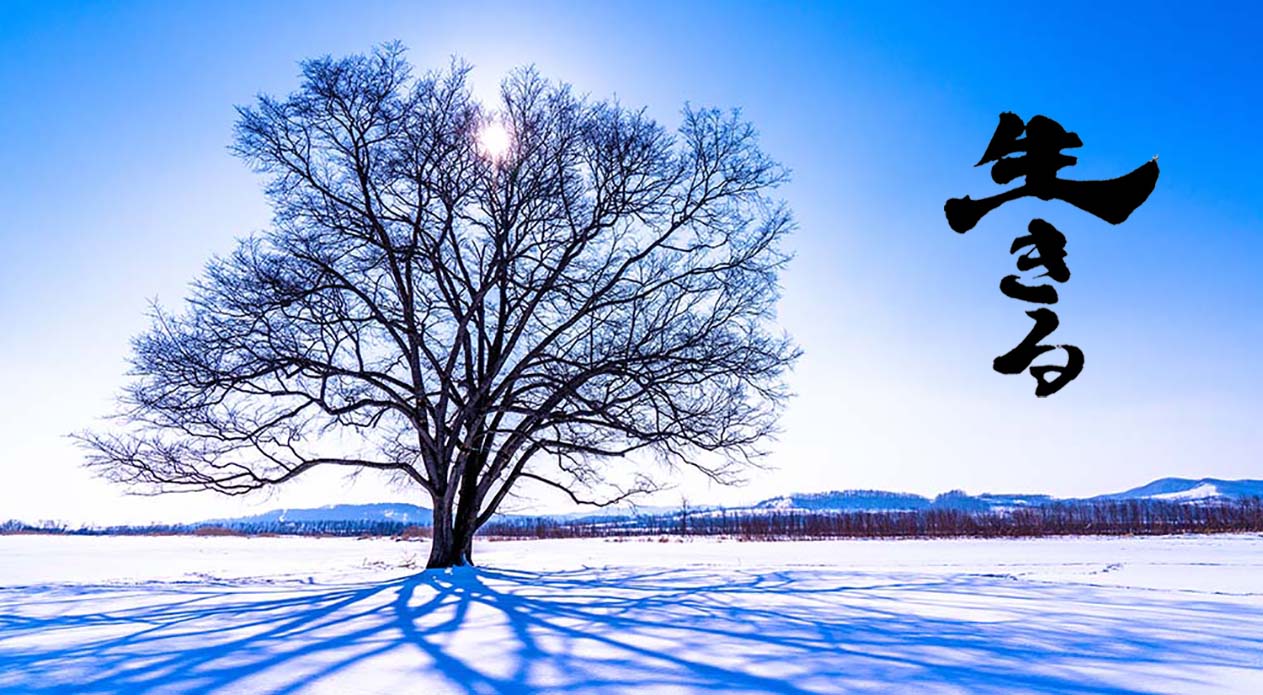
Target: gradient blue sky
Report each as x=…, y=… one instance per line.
x=116, y=186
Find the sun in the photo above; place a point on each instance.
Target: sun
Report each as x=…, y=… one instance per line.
x=494, y=141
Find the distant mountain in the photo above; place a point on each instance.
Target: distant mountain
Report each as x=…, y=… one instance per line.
x=601, y=513
x=878, y=500
x=958, y=499
x=1185, y=489
x=1166, y=489
x=401, y=513
x=847, y=500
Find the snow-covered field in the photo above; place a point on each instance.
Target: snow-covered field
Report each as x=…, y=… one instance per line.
x=277, y=615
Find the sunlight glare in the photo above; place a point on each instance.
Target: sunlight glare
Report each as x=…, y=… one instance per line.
x=494, y=141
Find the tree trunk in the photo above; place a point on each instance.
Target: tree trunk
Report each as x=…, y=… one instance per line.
x=444, y=551
x=468, y=552
x=452, y=542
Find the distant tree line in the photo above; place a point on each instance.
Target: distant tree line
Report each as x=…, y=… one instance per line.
x=1112, y=517
x=1121, y=517
x=267, y=528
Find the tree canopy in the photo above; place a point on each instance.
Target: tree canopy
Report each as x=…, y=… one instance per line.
x=595, y=291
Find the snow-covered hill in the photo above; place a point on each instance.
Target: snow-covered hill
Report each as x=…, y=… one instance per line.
x=1165, y=489
x=1186, y=489
x=849, y=500
x=878, y=500
x=402, y=513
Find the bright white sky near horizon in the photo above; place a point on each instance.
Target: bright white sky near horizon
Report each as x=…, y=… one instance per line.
x=116, y=186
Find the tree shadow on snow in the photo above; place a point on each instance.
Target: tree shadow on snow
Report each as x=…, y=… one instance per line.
x=624, y=630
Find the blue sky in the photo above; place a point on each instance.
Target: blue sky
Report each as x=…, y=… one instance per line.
x=116, y=186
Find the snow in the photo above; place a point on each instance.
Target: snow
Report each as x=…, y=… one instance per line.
x=288, y=615
x=1202, y=491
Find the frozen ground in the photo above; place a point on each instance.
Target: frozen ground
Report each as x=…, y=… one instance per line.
x=272, y=615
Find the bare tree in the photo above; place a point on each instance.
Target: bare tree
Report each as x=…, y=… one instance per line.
x=469, y=317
